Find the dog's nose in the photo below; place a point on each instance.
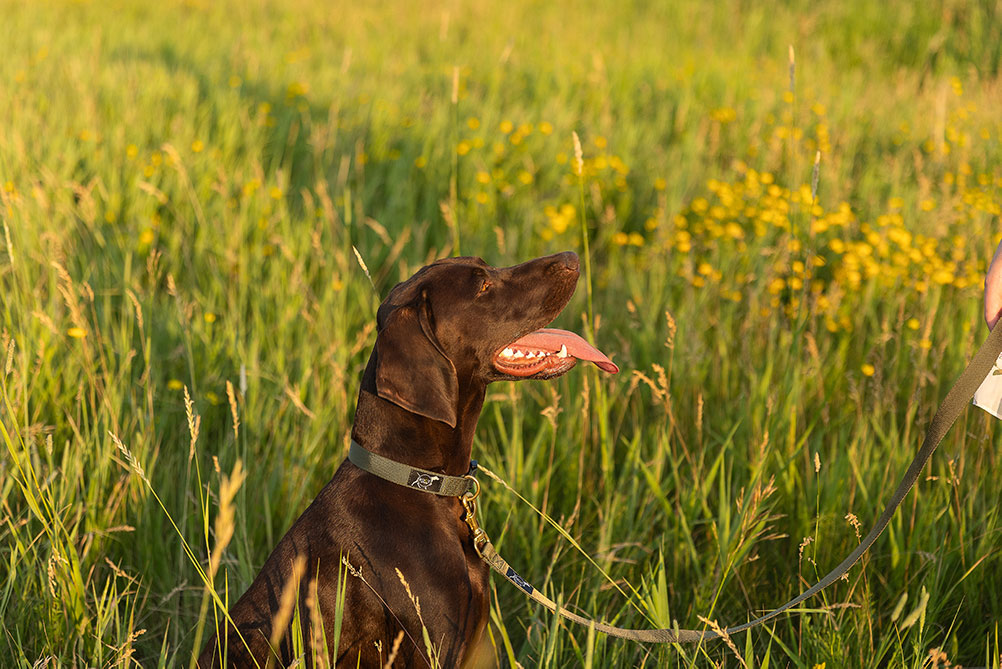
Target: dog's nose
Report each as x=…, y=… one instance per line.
x=568, y=260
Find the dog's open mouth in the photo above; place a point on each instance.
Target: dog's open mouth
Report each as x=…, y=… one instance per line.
x=548, y=352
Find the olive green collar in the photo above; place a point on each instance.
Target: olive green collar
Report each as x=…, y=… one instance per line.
x=411, y=477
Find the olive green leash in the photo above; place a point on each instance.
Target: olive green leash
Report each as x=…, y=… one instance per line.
x=468, y=489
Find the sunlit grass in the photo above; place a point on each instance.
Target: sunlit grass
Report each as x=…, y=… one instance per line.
x=186, y=190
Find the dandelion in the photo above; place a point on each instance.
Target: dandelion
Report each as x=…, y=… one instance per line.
x=546, y=128
x=506, y=126
x=209, y=317
x=420, y=162
x=251, y=186
x=868, y=369
x=197, y=146
x=724, y=115
x=174, y=384
x=463, y=148
x=296, y=89
x=943, y=276
x=473, y=123
x=76, y=333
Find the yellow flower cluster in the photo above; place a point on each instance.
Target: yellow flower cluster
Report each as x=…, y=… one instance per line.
x=559, y=219
x=824, y=255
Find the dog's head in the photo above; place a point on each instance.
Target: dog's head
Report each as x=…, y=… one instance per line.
x=461, y=319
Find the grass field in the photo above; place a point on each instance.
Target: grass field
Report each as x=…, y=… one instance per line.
x=181, y=188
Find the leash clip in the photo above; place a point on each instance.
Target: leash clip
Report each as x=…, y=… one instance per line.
x=480, y=538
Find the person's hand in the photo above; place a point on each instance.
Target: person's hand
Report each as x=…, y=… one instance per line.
x=993, y=289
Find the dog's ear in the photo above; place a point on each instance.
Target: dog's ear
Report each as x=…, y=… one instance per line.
x=411, y=368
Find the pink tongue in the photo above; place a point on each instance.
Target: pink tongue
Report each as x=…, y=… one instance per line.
x=551, y=339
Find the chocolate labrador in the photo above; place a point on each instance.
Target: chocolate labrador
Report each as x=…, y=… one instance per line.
x=442, y=336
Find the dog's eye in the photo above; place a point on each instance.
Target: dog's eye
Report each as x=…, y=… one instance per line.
x=484, y=287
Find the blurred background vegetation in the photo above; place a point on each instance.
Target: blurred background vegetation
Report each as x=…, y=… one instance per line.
x=790, y=208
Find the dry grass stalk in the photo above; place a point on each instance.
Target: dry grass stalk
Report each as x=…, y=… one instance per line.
x=9, y=365
x=280, y=623
x=10, y=247
x=578, y=155
x=194, y=422
x=224, y=525
x=231, y=396
x=712, y=624
x=318, y=636
x=672, y=331
x=391, y=658
x=410, y=595
x=130, y=458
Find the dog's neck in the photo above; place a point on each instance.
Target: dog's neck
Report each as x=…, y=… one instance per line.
x=415, y=440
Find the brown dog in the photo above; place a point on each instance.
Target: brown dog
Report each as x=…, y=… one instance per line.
x=443, y=335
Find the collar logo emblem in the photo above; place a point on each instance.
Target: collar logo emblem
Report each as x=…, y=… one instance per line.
x=424, y=481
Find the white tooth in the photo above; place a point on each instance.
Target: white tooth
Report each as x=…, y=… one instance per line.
x=518, y=354
x=563, y=352
x=531, y=354
x=507, y=353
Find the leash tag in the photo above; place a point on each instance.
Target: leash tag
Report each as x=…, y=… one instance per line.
x=513, y=576
x=989, y=394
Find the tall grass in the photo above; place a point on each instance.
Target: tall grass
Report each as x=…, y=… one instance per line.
x=182, y=186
